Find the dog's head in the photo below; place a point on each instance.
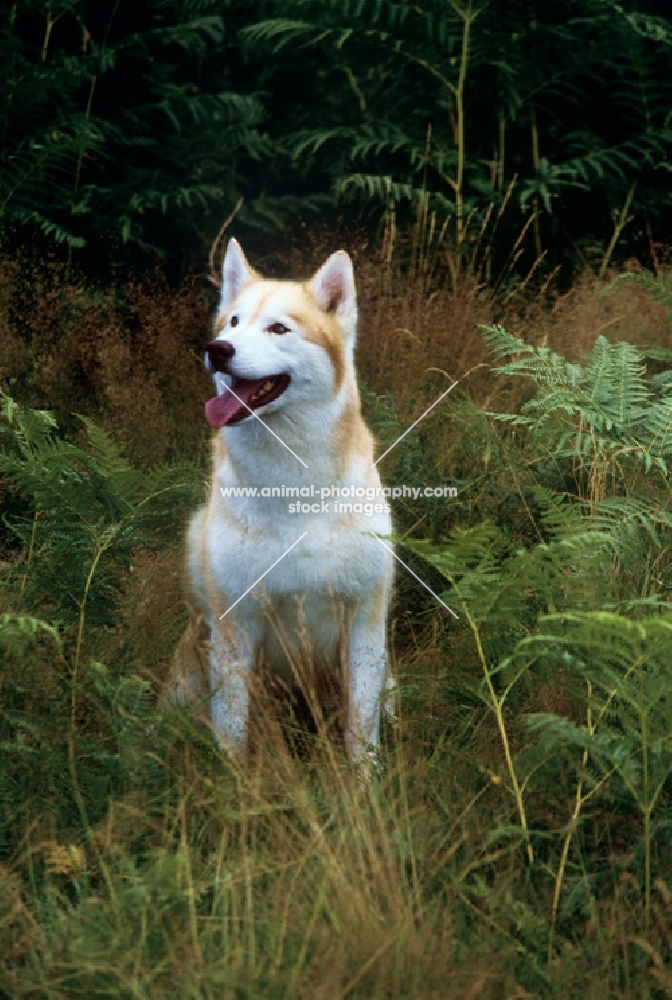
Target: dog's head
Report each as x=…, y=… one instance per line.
x=279, y=342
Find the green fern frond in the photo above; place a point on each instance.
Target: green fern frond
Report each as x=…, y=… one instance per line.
x=614, y=384
x=191, y=34
x=606, y=408
x=657, y=29
x=539, y=363
x=28, y=429
x=280, y=32
x=18, y=631
x=90, y=509
x=630, y=661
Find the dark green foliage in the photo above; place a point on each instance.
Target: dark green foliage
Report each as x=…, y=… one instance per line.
x=116, y=127
x=452, y=101
x=144, y=124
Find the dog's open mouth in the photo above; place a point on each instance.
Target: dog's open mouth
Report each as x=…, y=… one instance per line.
x=250, y=394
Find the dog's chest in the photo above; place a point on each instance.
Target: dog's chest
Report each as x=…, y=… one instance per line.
x=314, y=556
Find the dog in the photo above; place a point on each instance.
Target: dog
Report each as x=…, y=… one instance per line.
x=275, y=582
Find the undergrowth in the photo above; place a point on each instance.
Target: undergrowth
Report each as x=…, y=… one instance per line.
x=516, y=842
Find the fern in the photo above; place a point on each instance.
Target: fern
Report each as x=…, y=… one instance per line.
x=600, y=414
x=418, y=80
x=89, y=510
x=485, y=571
x=626, y=665
x=18, y=631
x=585, y=596
x=85, y=147
x=655, y=28
x=35, y=171
x=501, y=592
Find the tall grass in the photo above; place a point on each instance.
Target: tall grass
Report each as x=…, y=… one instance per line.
x=154, y=866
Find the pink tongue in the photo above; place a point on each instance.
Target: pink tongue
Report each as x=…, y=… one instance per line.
x=222, y=409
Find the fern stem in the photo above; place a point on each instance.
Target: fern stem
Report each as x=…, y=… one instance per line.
x=502, y=149
x=535, y=163
x=87, y=115
x=467, y=18
x=619, y=225
x=564, y=854
x=31, y=550
x=77, y=792
x=82, y=619
x=534, y=131
x=579, y=801
x=497, y=705
x=51, y=21
x=92, y=88
x=352, y=80
x=647, y=806
x=74, y=676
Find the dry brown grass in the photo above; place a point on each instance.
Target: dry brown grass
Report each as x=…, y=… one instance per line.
x=575, y=319
x=262, y=882
x=422, y=333
x=128, y=357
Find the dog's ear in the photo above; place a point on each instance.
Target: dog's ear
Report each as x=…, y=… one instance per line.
x=333, y=286
x=236, y=273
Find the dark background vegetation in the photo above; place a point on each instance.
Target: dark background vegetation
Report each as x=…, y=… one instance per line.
x=500, y=174
x=130, y=130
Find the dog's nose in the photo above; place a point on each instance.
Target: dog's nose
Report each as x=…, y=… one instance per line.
x=219, y=354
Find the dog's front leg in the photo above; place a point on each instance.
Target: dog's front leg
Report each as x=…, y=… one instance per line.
x=367, y=671
x=231, y=664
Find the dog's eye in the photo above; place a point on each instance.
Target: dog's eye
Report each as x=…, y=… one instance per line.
x=234, y=321
x=278, y=328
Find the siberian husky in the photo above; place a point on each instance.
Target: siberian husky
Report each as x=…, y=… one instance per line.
x=316, y=580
